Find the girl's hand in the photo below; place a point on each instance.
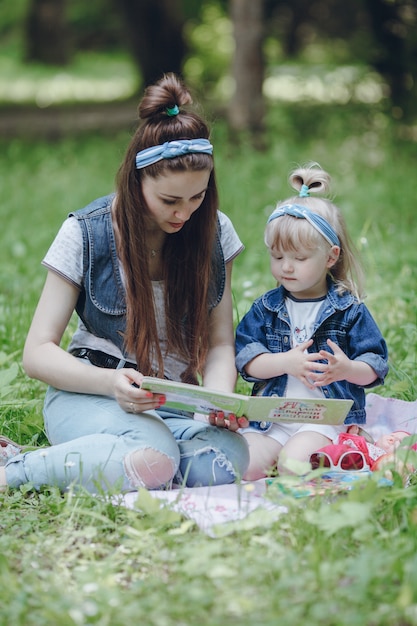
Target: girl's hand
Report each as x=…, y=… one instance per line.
x=338, y=366
x=129, y=395
x=302, y=364
x=231, y=422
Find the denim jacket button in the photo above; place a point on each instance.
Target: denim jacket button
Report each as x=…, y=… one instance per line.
x=285, y=339
x=263, y=425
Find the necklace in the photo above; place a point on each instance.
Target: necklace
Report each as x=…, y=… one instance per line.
x=153, y=252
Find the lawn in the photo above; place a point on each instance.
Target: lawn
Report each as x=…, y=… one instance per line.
x=75, y=559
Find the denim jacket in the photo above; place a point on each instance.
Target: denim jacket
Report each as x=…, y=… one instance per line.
x=102, y=303
x=344, y=320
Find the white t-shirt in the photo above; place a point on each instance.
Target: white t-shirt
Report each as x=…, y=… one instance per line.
x=303, y=314
x=65, y=257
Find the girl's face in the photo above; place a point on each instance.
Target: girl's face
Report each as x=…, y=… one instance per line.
x=303, y=272
x=173, y=197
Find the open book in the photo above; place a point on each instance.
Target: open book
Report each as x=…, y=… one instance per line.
x=197, y=399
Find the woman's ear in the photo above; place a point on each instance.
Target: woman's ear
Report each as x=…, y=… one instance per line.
x=333, y=257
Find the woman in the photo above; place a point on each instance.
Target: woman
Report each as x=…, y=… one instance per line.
x=148, y=271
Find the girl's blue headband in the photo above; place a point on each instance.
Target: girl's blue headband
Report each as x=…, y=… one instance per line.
x=317, y=221
x=170, y=150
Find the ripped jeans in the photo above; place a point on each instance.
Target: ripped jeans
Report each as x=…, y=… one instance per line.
x=96, y=444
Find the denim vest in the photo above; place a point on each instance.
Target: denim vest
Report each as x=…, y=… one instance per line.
x=101, y=304
x=344, y=320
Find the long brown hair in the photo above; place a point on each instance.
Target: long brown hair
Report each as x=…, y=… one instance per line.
x=187, y=255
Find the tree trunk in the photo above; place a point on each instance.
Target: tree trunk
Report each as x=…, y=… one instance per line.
x=154, y=28
x=47, y=33
x=247, y=108
x=394, y=30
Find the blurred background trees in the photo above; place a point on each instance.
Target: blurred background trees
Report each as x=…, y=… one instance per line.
x=228, y=49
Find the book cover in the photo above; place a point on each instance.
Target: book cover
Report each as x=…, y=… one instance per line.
x=185, y=397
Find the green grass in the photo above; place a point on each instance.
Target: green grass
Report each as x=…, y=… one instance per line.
x=76, y=559
x=115, y=78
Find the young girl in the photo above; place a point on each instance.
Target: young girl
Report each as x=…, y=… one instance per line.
x=148, y=272
x=311, y=336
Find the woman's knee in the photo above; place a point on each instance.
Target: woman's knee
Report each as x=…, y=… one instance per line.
x=230, y=449
x=214, y=456
x=149, y=468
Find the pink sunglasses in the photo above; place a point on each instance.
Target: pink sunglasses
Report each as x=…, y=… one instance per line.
x=349, y=461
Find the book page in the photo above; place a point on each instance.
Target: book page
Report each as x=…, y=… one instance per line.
x=185, y=397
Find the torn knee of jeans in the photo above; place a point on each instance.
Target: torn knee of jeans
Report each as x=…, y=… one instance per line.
x=148, y=468
x=220, y=460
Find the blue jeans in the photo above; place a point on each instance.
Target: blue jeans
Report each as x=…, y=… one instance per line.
x=94, y=441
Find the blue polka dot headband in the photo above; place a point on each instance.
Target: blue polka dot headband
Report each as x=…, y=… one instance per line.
x=317, y=221
x=172, y=149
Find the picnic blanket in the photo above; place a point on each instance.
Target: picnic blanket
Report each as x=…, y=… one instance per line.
x=217, y=509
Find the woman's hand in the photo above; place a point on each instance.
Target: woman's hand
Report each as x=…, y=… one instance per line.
x=231, y=422
x=129, y=395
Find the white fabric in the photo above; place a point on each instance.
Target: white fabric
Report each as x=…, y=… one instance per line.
x=212, y=508
x=302, y=314
x=218, y=510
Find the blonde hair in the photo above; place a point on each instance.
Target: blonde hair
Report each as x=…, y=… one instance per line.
x=290, y=233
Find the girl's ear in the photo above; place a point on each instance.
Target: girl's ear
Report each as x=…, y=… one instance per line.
x=333, y=257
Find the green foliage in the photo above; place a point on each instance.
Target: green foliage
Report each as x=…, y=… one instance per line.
x=205, y=60
x=79, y=559
x=115, y=78
x=12, y=15
x=96, y=25
x=84, y=559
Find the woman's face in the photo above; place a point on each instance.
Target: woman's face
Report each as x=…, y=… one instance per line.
x=173, y=197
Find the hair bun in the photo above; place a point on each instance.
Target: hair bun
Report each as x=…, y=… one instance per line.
x=169, y=93
x=312, y=176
